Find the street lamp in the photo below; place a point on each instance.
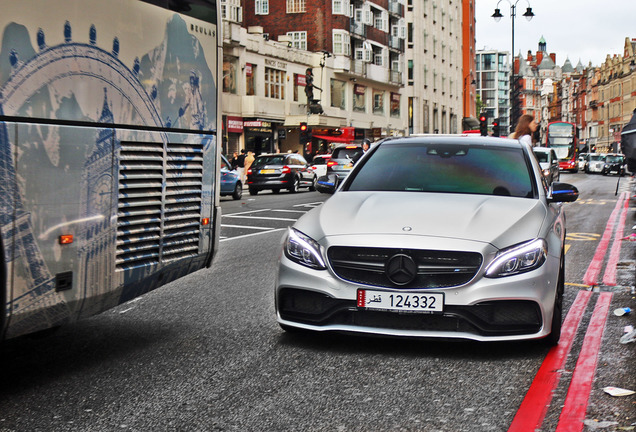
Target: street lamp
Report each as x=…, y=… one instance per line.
x=513, y=13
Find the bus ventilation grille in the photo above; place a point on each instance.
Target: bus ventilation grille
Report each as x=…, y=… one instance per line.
x=159, y=206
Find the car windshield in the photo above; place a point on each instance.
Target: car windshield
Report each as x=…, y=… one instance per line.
x=489, y=170
x=346, y=153
x=613, y=159
x=268, y=160
x=595, y=157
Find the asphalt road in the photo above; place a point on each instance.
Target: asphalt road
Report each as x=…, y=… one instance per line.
x=205, y=353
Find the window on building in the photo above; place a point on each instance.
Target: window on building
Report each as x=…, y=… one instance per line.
x=298, y=39
x=250, y=79
x=230, y=65
x=395, y=104
x=296, y=6
x=340, y=7
x=341, y=43
x=231, y=10
x=378, y=102
x=274, y=83
x=262, y=7
x=410, y=71
x=338, y=93
x=359, y=100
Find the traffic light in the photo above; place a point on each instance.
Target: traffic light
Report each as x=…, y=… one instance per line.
x=483, y=125
x=305, y=133
x=495, y=127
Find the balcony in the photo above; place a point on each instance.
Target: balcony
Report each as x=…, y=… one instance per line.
x=396, y=8
x=395, y=77
x=396, y=43
x=358, y=28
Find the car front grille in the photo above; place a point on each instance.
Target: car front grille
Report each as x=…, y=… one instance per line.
x=435, y=269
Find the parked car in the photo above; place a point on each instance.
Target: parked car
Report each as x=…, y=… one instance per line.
x=319, y=164
x=549, y=163
x=230, y=180
x=614, y=163
x=342, y=160
x=594, y=163
x=430, y=237
x=582, y=157
x=278, y=171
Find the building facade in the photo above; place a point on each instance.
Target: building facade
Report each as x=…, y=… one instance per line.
x=493, y=86
x=434, y=82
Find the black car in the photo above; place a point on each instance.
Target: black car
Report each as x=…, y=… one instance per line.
x=614, y=163
x=278, y=171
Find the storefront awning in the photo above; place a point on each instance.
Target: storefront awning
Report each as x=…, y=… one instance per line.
x=338, y=139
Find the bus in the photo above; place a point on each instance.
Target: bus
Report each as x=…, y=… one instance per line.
x=562, y=137
x=109, y=112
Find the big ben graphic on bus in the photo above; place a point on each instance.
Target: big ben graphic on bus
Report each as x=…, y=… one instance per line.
x=49, y=164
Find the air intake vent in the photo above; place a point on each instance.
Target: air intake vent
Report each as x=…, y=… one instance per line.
x=159, y=207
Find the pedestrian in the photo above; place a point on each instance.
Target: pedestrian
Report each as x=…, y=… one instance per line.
x=525, y=129
x=234, y=160
x=365, y=147
x=249, y=159
x=240, y=165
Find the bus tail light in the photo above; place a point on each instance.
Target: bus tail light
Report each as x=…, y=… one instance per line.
x=66, y=239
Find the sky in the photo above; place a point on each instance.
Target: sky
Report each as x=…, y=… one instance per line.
x=586, y=30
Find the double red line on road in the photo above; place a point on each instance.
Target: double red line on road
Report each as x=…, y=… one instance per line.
x=534, y=407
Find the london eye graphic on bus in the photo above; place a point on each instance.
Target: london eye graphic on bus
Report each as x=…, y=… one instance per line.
x=44, y=82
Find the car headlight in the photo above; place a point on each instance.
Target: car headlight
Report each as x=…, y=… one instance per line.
x=518, y=259
x=304, y=250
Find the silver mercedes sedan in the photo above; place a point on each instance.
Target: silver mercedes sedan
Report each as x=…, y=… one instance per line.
x=434, y=237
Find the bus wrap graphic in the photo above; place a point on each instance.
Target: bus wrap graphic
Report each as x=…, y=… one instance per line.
x=79, y=81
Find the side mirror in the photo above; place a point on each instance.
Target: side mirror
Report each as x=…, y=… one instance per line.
x=563, y=192
x=327, y=184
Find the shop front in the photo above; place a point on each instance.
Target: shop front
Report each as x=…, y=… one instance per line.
x=259, y=136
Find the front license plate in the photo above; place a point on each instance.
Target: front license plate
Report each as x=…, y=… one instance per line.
x=267, y=171
x=401, y=301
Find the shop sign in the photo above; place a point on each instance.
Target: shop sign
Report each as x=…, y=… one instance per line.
x=257, y=124
x=248, y=69
x=235, y=124
x=359, y=89
x=276, y=64
x=300, y=80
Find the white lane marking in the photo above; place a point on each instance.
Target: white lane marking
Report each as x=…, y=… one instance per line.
x=247, y=227
x=261, y=218
x=252, y=235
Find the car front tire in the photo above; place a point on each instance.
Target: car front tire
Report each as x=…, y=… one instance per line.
x=557, y=315
x=238, y=191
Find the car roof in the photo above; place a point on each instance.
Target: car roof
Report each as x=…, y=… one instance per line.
x=469, y=139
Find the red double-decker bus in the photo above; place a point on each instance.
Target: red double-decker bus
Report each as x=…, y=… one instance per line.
x=561, y=136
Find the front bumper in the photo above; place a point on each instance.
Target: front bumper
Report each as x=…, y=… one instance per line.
x=512, y=308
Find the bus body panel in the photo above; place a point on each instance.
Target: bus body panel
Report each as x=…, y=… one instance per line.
x=108, y=119
x=561, y=136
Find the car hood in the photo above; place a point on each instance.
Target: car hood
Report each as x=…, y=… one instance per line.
x=500, y=221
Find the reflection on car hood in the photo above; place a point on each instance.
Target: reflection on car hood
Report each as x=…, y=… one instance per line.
x=500, y=221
